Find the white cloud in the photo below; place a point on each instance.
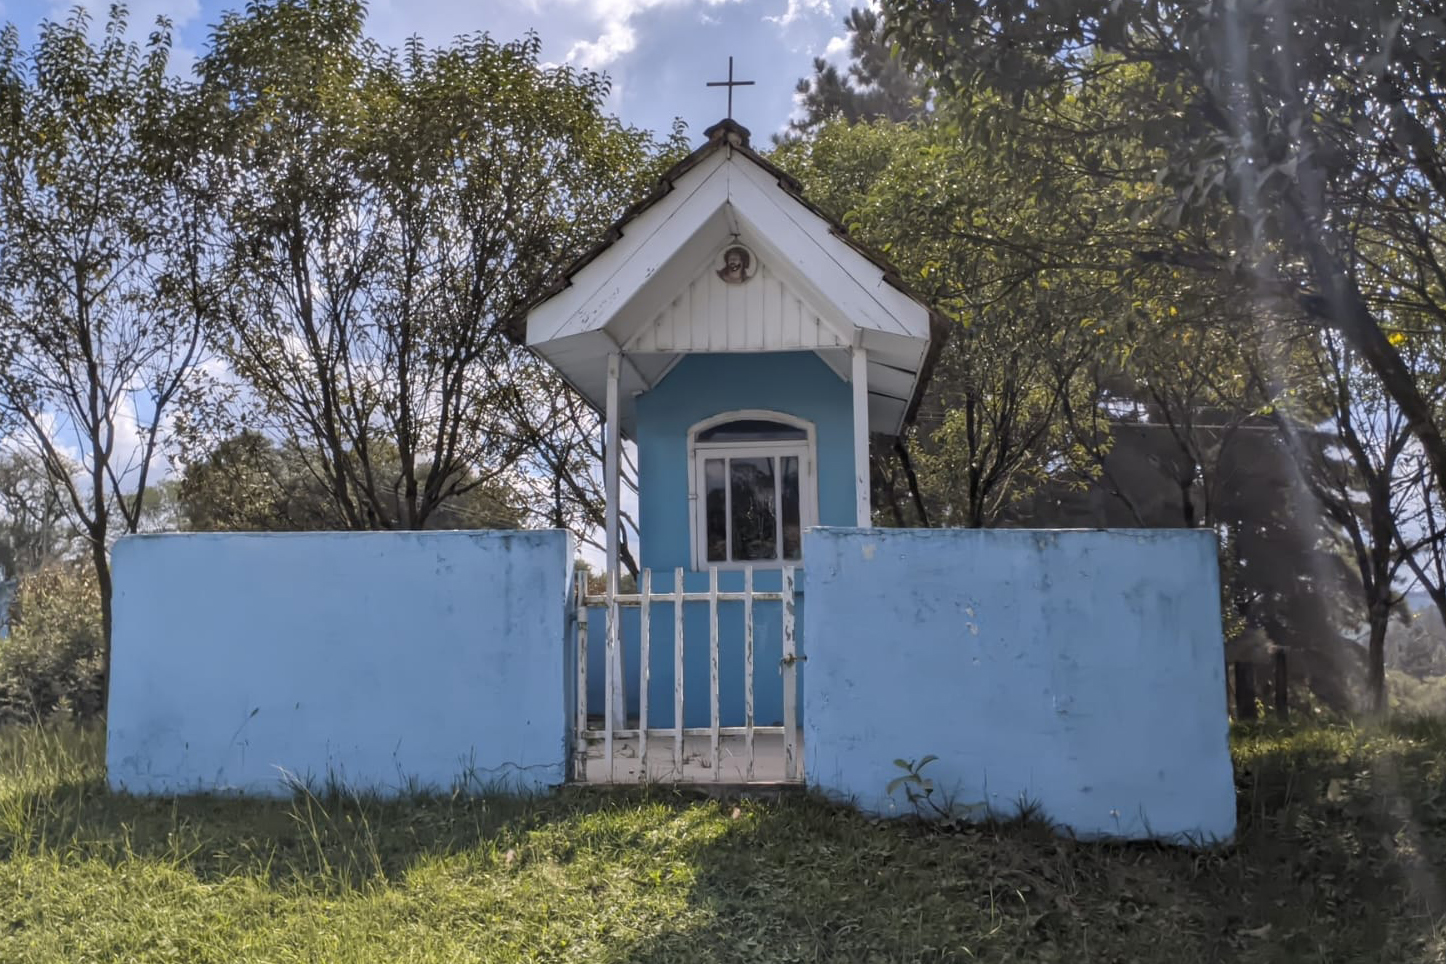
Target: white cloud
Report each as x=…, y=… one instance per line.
x=617, y=36
x=797, y=9
x=836, y=47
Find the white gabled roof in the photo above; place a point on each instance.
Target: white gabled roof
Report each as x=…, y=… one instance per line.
x=651, y=290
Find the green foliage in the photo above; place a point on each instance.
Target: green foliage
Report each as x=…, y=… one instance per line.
x=385, y=215
x=1338, y=858
x=1412, y=696
x=915, y=785
x=1039, y=334
x=247, y=483
x=104, y=288
x=34, y=530
x=100, y=293
x=50, y=664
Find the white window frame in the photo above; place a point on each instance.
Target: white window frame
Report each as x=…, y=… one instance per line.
x=698, y=454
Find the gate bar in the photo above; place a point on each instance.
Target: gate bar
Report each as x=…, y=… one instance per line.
x=713, y=668
x=644, y=671
x=678, y=672
x=748, y=664
x=580, y=765
x=790, y=681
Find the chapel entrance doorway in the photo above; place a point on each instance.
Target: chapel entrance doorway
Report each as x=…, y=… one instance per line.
x=665, y=733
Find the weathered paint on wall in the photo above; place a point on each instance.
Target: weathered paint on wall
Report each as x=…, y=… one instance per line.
x=386, y=661
x=1083, y=671
x=699, y=387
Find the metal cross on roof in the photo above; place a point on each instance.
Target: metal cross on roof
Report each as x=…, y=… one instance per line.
x=730, y=83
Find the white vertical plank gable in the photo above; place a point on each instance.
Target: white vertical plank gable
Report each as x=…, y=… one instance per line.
x=765, y=314
x=823, y=257
x=646, y=243
x=652, y=289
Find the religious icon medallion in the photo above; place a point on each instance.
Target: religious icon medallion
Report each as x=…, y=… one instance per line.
x=738, y=265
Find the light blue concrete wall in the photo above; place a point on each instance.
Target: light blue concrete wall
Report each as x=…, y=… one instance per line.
x=385, y=661
x=699, y=387
x=1080, y=670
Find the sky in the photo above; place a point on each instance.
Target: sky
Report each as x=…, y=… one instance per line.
x=658, y=53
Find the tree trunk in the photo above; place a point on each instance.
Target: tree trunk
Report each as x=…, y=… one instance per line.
x=913, y=478
x=1245, y=690
x=1376, y=658
x=102, y=577
x=1282, y=687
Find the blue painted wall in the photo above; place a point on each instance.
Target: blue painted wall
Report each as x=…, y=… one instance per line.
x=1081, y=670
x=699, y=387
x=385, y=660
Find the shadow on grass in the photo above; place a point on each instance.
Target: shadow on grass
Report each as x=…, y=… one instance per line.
x=1339, y=857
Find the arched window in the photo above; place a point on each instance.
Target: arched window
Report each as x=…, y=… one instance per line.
x=754, y=489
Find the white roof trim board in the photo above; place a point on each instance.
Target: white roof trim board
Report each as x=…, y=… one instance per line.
x=653, y=293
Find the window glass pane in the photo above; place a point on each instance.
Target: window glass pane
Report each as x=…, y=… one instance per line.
x=716, y=509
x=755, y=520
x=752, y=430
x=792, y=530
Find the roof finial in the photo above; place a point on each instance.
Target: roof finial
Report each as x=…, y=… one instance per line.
x=730, y=83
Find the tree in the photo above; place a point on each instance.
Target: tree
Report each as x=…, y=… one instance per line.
x=1364, y=486
x=34, y=526
x=981, y=237
x=1081, y=387
x=1316, y=124
x=102, y=284
x=248, y=483
x=875, y=86
x=384, y=213
x=564, y=439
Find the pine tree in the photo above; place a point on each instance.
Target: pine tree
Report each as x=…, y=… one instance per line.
x=875, y=84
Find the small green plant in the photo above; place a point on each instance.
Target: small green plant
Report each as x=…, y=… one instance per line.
x=919, y=790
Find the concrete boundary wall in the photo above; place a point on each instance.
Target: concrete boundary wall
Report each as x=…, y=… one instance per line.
x=386, y=662
x=1081, y=671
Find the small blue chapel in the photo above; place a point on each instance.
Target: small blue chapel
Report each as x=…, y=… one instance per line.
x=749, y=348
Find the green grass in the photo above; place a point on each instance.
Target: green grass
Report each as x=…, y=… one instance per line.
x=1340, y=858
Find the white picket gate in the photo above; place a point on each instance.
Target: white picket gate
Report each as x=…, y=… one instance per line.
x=613, y=753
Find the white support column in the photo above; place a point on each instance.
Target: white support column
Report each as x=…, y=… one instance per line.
x=860, y=383
x=612, y=475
